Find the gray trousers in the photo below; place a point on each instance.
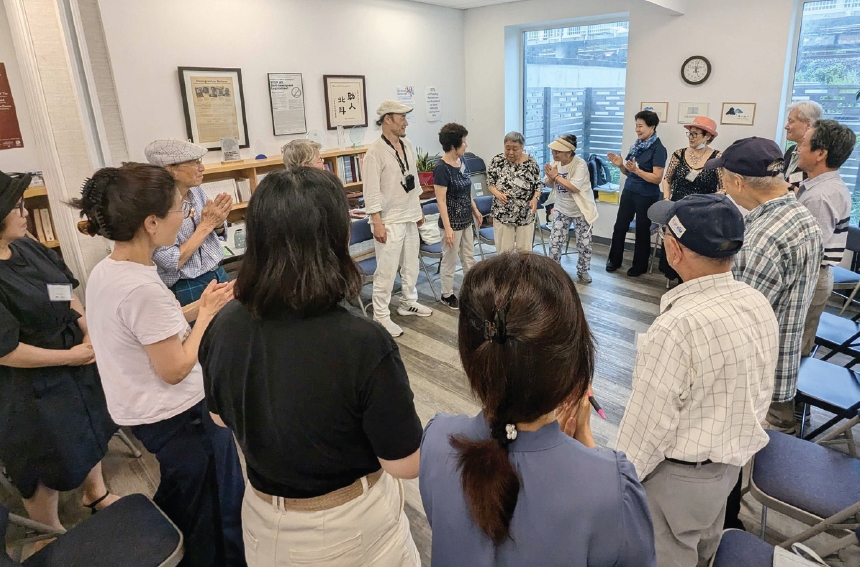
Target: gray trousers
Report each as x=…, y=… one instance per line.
x=688, y=506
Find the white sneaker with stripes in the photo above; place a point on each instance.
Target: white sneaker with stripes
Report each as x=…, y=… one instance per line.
x=414, y=308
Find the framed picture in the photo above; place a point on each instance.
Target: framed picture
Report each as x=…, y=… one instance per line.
x=345, y=101
x=287, y=99
x=687, y=111
x=214, y=105
x=738, y=113
x=660, y=108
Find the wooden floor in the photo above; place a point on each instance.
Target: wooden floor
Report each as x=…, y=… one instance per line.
x=617, y=308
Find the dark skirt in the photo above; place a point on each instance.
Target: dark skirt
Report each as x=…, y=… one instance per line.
x=54, y=425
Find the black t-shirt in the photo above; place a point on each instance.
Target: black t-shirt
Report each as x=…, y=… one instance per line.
x=458, y=197
x=313, y=401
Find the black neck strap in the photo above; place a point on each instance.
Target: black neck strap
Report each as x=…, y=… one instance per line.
x=403, y=168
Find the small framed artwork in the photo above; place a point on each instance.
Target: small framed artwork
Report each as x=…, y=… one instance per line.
x=687, y=111
x=345, y=101
x=660, y=108
x=738, y=113
x=214, y=105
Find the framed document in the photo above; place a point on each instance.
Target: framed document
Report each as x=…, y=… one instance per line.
x=287, y=97
x=345, y=101
x=687, y=111
x=738, y=113
x=214, y=105
x=661, y=109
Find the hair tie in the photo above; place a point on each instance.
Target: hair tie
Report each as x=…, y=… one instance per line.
x=504, y=433
x=511, y=431
x=497, y=329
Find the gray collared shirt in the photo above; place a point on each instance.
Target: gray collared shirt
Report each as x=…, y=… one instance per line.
x=827, y=198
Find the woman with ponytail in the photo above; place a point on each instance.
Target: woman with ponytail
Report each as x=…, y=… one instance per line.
x=522, y=483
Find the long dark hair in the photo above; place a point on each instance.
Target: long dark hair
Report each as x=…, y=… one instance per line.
x=297, y=245
x=526, y=348
x=116, y=200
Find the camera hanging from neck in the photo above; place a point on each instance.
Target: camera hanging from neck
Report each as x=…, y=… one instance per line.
x=408, y=182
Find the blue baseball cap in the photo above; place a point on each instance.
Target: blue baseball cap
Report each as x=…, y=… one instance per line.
x=709, y=225
x=751, y=157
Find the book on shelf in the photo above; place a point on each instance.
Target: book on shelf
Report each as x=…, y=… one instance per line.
x=348, y=177
x=213, y=188
x=37, y=179
x=37, y=220
x=47, y=225
x=243, y=187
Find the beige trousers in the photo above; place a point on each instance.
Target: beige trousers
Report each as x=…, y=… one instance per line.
x=823, y=289
x=464, y=247
x=370, y=530
x=507, y=234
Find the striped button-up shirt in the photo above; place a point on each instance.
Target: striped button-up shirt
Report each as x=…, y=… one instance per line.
x=827, y=198
x=703, y=377
x=780, y=257
x=205, y=259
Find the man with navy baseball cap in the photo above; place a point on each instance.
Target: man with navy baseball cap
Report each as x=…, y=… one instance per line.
x=702, y=382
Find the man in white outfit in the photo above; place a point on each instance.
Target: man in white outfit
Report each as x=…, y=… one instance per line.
x=391, y=193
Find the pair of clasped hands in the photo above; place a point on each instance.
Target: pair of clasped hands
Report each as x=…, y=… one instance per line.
x=630, y=164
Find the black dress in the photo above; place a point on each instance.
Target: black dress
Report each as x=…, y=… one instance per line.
x=54, y=422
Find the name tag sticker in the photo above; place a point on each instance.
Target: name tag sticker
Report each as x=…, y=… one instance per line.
x=60, y=292
x=678, y=229
x=519, y=182
x=795, y=177
x=693, y=175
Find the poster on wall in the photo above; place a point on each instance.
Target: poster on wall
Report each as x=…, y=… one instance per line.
x=406, y=95
x=214, y=105
x=10, y=130
x=661, y=109
x=287, y=97
x=345, y=101
x=687, y=111
x=433, y=104
x=738, y=113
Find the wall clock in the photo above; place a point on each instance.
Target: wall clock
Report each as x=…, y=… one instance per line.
x=696, y=70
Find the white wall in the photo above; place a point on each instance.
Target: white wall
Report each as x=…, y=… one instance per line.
x=26, y=158
x=389, y=41
x=746, y=42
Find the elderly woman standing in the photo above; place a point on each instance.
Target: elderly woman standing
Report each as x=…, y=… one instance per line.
x=685, y=174
x=304, y=153
x=643, y=167
x=801, y=116
x=514, y=180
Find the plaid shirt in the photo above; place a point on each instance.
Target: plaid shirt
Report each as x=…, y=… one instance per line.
x=780, y=257
x=205, y=259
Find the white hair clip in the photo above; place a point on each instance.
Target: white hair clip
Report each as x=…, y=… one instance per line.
x=511, y=430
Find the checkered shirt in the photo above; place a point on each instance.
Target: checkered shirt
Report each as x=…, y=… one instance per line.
x=205, y=259
x=703, y=377
x=780, y=257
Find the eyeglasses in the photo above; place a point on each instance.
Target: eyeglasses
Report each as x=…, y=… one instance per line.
x=20, y=207
x=187, y=210
x=691, y=134
x=195, y=163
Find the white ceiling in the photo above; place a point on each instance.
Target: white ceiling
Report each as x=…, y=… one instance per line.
x=464, y=4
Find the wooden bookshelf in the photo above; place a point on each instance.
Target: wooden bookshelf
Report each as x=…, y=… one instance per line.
x=37, y=198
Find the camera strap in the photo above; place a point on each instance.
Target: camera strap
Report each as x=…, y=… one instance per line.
x=403, y=168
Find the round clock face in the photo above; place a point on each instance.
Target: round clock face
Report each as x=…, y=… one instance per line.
x=696, y=70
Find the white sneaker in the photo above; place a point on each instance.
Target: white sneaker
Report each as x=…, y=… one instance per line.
x=393, y=328
x=414, y=308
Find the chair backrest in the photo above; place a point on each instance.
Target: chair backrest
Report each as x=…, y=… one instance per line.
x=853, y=243
x=484, y=204
x=430, y=209
x=360, y=231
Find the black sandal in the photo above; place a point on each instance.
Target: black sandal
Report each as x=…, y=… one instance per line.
x=92, y=505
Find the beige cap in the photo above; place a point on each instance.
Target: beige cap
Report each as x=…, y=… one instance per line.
x=561, y=145
x=172, y=151
x=393, y=107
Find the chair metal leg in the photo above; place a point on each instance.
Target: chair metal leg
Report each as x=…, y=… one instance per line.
x=850, y=299
x=478, y=240
x=123, y=436
x=763, y=521
x=429, y=281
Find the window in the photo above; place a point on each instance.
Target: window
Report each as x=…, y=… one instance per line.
x=828, y=72
x=574, y=84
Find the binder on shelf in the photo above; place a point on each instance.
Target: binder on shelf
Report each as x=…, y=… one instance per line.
x=47, y=226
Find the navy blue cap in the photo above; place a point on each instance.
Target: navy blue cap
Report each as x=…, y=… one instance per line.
x=751, y=157
x=709, y=225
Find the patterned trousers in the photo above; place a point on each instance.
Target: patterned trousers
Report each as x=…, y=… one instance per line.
x=560, y=226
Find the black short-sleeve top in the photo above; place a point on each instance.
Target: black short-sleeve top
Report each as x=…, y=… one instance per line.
x=458, y=194
x=27, y=315
x=314, y=401
x=654, y=156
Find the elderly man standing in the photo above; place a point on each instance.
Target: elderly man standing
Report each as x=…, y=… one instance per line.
x=823, y=150
x=391, y=200
x=195, y=258
x=801, y=116
x=702, y=382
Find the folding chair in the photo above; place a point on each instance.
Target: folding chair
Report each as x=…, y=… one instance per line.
x=485, y=234
x=656, y=243
x=840, y=336
x=129, y=533
x=741, y=549
x=815, y=485
x=430, y=250
x=361, y=231
x=832, y=388
x=848, y=279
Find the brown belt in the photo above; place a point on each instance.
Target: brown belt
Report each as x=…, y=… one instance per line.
x=328, y=501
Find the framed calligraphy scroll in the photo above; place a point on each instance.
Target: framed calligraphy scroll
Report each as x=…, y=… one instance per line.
x=345, y=101
x=214, y=105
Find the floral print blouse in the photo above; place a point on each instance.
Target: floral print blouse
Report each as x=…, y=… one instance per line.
x=520, y=181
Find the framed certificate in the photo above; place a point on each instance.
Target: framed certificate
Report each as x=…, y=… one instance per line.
x=214, y=105
x=287, y=98
x=345, y=101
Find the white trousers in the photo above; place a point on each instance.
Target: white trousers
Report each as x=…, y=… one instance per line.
x=464, y=247
x=400, y=250
x=370, y=530
x=506, y=234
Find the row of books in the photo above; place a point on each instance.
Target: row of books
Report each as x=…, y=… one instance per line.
x=44, y=225
x=239, y=190
x=349, y=168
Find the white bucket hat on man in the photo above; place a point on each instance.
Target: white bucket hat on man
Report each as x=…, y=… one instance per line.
x=393, y=107
x=172, y=151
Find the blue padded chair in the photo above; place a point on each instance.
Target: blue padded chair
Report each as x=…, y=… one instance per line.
x=361, y=231
x=485, y=234
x=832, y=388
x=742, y=549
x=815, y=485
x=839, y=335
x=844, y=279
x=430, y=250
x=132, y=532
